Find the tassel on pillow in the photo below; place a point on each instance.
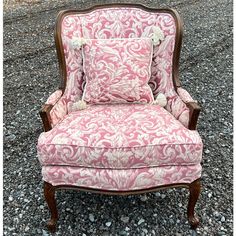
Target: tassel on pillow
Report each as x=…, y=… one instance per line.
x=160, y=100
x=157, y=35
x=77, y=43
x=80, y=105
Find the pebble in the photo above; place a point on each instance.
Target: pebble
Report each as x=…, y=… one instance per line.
x=194, y=233
x=145, y=231
x=222, y=219
x=45, y=233
x=108, y=224
x=163, y=196
x=141, y=221
x=216, y=213
x=157, y=194
x=91, y=217
x=143, y=198
x=125, y=219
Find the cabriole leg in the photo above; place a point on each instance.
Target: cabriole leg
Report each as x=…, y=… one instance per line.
x=194, y=189
x=49, y=194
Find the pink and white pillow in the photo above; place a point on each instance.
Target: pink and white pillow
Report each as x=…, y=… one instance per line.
x=117, y=70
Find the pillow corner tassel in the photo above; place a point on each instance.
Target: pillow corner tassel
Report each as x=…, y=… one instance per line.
x=80, y=105
x=160, y=100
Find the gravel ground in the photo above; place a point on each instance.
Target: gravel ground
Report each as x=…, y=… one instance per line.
x=31, y=74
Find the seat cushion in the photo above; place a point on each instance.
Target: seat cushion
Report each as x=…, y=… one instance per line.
x=120, y=137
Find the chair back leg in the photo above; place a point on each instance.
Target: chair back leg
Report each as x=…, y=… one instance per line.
x=49, y=194
x=194, y=189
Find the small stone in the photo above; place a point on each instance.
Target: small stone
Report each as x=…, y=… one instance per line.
x=217, y=214
x=145, y=231
x=207, y=151
x=222, y=219
x=123, y=233
x=163, y=196
x=45, y=233
x=108, y=224
x=220, y=234
x=194, y=233
x=143, y=198
x=157, y=194
x=141, y=221
x=10, y=198
x=125, y=219
x=84, y=234
x=91, y=217
x=127, y=228
x=209, y=195
x=27, y=228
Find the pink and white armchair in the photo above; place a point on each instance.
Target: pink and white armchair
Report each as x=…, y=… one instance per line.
x=121, y=142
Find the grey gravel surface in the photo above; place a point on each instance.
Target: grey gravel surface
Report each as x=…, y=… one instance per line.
x=31, y=74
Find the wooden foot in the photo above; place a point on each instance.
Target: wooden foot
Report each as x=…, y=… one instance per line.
x=194, y=189
x=49, y=194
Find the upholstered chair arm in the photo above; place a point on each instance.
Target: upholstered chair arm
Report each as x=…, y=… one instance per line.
x=184, y=108
x=53, y=110
x=194, y=108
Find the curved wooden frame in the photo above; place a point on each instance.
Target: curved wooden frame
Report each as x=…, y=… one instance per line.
x=194, y=192
x=194, y=187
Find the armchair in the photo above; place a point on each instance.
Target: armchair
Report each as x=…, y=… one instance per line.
x=126, y=148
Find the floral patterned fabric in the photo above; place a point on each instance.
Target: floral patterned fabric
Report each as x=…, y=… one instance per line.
x=120, y=136
x=117, y=70
x=120, y=180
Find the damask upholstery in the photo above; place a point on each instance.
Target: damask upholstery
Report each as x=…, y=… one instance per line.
x=121, y=146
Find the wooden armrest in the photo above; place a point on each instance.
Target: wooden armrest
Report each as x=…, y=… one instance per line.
x=45, y=116
x=193, y=114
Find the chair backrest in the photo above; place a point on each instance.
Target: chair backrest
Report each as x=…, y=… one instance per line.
x=119, y=21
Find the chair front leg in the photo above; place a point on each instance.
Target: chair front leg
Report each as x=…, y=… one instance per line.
x=194, y=189
x=49, y=194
